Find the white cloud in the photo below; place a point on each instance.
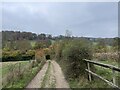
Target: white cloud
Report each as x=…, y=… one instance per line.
x=91, y=19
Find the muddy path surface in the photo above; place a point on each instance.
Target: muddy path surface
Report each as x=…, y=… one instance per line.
x=37, y=80
x=50, y=76
x=60, y=79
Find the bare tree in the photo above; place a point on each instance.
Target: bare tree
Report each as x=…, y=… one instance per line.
x=68, y=33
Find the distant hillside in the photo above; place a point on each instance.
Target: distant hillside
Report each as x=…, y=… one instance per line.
x=17, y=35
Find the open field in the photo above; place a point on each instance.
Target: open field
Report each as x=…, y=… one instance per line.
x=8, y=68
x=5, y=66
x=110, y=62
x=32, y=43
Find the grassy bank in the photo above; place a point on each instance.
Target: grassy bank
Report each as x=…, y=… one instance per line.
x=27, y=75
x=7, y=65
x=114, y=63
x=83, y=82
x=96, y=83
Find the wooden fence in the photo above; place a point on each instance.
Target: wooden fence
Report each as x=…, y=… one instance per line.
x=113, y=68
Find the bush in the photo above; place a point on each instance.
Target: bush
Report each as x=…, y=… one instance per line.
x=39, y=55
x=72, y=54
x=59, y=48
x=34, y=64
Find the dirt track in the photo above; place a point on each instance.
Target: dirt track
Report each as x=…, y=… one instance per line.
x=60, y=79
x=37, y=80
x=53, y=79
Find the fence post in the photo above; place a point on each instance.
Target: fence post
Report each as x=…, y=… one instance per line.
x=89, y=75
x=113, y=77
x=19, y=72
x=13, y=75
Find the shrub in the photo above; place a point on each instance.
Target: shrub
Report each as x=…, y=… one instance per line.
x=39, y=55
x=59, y=48
x=72, y=54
x=34, y=64
x=52, y=51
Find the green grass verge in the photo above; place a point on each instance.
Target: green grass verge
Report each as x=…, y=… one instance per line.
x=96, y=83
x=7, y=65
x=23, y=82
x=32, y=43
x=84, y=83
x=109, y=62
x=26, y=78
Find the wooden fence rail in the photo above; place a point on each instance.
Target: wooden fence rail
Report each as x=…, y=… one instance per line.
x=113, y=68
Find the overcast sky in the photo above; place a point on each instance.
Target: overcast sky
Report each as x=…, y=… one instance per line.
x=92, y=19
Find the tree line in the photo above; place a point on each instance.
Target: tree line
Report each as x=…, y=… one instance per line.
x=17, y=35
x=24, y=42
x=16, y=39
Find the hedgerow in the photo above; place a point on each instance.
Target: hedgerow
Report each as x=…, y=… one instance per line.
x=17, y=55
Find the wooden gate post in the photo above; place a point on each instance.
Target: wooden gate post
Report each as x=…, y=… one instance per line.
x=89, y=75
x=114, y=79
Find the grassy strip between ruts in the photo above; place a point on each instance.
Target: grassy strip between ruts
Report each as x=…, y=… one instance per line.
x=46, y=77
x=22, y=83
x=53, y=81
